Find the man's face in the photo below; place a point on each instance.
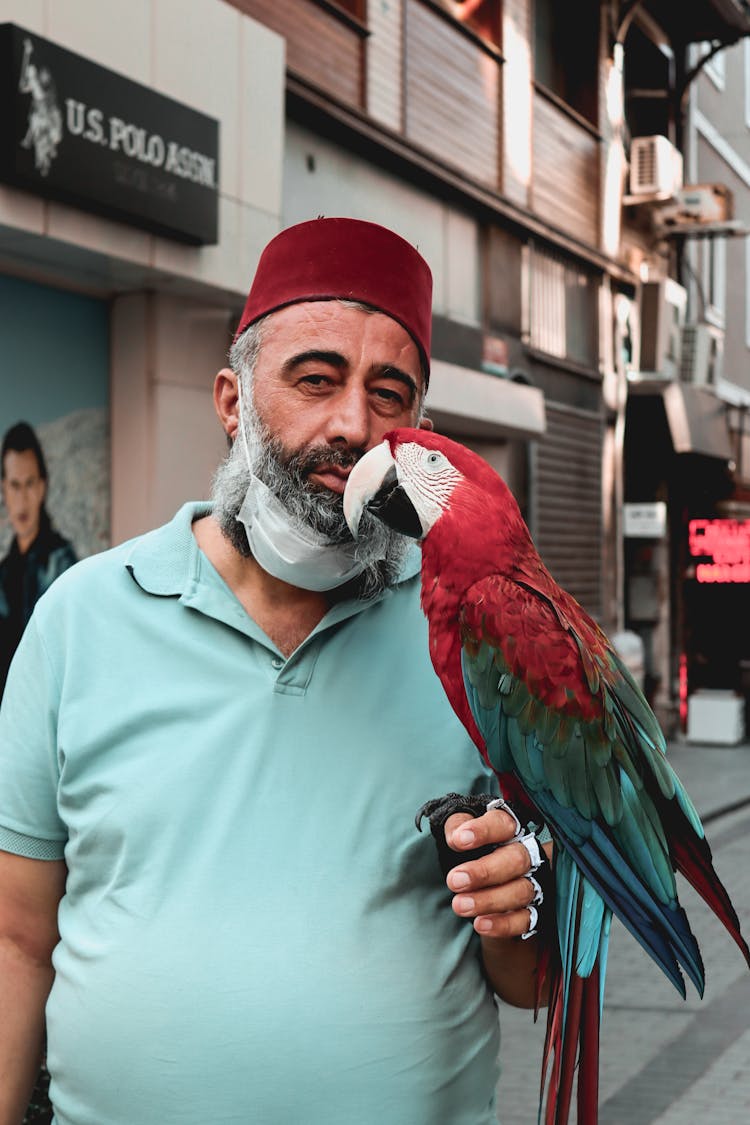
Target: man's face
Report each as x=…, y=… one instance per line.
x=328, y=383
x=333, y=378
x=23, y=493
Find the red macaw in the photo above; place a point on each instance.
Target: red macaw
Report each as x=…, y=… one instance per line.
x=562, y=723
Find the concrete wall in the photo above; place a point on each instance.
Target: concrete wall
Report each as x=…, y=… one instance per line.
x=322, y=179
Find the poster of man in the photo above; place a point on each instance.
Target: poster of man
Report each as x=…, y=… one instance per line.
x=38, y=552
x=54, y=457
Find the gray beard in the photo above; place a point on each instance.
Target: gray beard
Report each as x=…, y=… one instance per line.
x=380, y=550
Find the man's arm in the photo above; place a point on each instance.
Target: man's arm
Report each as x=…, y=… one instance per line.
x=494, y=893
x=30, y=892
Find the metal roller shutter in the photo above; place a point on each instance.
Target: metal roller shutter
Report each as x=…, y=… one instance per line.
x=568, y=502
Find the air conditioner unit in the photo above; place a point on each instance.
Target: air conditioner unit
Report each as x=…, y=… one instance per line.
x=702, y=354
x=662, y=316
x=698, y=205
x=655, y=168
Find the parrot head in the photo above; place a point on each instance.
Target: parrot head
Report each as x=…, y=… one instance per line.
x=417, y=479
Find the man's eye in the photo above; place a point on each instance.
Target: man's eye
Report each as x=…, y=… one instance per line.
x=315, y=380
x=387, y=394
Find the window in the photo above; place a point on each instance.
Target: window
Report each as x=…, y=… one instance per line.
x=566, y=52
x=562, y=307
x=649, y=79
x=503, y=276
x=480, y=16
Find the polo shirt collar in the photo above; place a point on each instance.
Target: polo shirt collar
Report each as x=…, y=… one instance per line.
x=162, y=562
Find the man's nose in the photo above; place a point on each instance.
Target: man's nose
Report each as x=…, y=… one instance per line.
x=349, y=420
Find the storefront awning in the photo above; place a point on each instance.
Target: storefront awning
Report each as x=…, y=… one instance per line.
x=473, y=404
x=697, y=419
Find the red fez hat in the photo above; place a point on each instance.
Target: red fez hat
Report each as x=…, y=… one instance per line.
x=325, y=259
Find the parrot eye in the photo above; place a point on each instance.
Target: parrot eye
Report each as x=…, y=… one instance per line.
x=434, y=461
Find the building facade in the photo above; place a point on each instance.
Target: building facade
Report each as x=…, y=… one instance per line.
x=496, y=135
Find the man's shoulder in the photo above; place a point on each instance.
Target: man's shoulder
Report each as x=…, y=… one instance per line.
x=145, y=558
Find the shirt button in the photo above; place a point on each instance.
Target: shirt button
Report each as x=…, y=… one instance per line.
x=277, y=663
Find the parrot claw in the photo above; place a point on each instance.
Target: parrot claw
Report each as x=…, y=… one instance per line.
x=437, y=812
x=439, y=809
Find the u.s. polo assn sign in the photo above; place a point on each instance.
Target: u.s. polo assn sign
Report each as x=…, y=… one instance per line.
x=74, y=131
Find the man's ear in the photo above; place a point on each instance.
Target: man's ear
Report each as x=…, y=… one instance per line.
x=426, y=424
x=226, y=401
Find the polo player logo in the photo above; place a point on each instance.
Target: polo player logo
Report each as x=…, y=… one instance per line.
x=45, y=127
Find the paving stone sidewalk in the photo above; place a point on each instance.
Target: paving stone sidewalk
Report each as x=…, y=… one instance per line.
x=665, y=1061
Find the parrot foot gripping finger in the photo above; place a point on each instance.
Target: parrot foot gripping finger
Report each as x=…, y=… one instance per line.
x=539, y=875
x=437, y=812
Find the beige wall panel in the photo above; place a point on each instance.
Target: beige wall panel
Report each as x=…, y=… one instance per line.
x=108, y=32
x=80, y=228
x=190, y=446
x=226, y=266
x=196, y=60
x=131, y=414
x=342, y=184
x=190, y=344
x=29, y=14
x=166, y=439
x=566, y=172
x=462, y=267
x=21, y=211
x=213, y=265
x=384, y=62
x=260, y=139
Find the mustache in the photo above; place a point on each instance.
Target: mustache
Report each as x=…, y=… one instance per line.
x=306, y=461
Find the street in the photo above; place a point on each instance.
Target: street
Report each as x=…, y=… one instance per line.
x=665, y=1061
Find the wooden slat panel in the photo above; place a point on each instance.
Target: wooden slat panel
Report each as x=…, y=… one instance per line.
x=384, y=67
x=452, y=95
x=567, y=484
x=566, y=172
x=319, y=47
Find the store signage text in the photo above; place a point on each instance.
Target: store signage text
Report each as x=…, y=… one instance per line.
x=77, y=132
x=136, y=142
x=725, y=547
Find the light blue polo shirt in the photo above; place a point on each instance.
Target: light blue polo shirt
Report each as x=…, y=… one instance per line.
x=253, y=931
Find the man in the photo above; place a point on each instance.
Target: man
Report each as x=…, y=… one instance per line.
x=212, y=748
x=38, y=553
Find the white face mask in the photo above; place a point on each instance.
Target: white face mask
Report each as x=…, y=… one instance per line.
x=298, y=555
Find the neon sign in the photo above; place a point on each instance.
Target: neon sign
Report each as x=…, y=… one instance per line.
x=725, y=544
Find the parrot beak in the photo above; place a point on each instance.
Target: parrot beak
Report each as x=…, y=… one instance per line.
x=373, y=484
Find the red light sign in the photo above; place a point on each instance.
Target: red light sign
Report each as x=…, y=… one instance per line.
x=725, y=544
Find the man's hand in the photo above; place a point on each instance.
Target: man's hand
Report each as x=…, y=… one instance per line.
x=491, y=890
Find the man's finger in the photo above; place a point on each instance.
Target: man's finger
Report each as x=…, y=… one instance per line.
x=512, y=925
x=463, y=832
x=498, y=867
x=509, y=897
